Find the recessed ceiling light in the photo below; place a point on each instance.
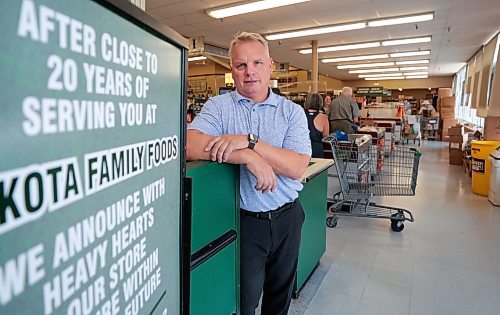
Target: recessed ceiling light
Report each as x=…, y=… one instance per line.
x=414, y=68
x=412, y=62
x=342, y=47
x=401, y=20
x=406, y=41
x=238, y=9
x=367, y=65
x=386, y=78
x=411, y=53
x=375, y=70
x=197, y=58
x=416, y=73
x=317, y=31
x=417, y=77
x=355, y=58
x=379, y=75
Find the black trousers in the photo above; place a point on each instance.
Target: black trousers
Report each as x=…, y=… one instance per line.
x=269, y=250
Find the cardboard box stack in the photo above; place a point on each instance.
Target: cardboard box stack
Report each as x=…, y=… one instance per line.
x=492, y=128
x=458, y=142
x=446, y=106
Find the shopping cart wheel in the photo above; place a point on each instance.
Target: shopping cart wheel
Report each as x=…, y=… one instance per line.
x=397, y=225
x=331, y=222
x=328, y=205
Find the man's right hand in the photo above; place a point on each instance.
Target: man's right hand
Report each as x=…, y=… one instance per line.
x=263, y=172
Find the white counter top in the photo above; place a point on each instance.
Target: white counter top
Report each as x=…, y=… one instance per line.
x=316, y=166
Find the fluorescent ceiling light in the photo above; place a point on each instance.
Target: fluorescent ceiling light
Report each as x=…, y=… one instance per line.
x=375, y=70
x=414, y=68
x=367, y=65
x=412, y=62
x=386, y=78
x=379, y=75
x=411, y=53
x=417, y=73
x=197, y=58
x=226, y=11
x=355, y=58
x=338, y=27
x=317, y=31
x=406, y=41
x=401, y=20
x=342, y=47
x=417, y=77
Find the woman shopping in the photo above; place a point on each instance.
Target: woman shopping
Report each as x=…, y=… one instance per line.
x=317, y=123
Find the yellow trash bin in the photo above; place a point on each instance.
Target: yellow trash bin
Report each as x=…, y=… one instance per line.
x=481, y=165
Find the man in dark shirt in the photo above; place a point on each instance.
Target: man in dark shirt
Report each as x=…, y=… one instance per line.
x=344, y=112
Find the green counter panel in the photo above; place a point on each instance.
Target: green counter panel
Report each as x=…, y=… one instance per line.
x=215, y=209
x=215, y=192
x=213, y=289
x=313, y=243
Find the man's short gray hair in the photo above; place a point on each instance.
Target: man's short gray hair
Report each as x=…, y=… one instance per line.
x=347, y=91
x=247, y=37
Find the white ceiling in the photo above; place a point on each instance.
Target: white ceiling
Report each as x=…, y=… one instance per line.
x=458, y=29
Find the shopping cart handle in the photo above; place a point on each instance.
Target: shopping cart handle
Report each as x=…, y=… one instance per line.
x=418, y=153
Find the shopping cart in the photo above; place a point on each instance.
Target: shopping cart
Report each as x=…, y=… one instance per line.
x=360, y=180
x=412, y=129
x=430, y=126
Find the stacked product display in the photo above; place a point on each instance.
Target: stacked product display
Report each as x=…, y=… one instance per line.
x=458, y=142
x=446, y=106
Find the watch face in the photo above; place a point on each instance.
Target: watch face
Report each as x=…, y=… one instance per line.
x=252, y=137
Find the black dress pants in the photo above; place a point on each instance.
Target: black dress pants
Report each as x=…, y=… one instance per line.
x=269, y=250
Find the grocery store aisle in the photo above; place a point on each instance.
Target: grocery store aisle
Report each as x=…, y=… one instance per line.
x=446, y=262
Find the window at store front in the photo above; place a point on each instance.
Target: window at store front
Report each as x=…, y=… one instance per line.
x=463, y=109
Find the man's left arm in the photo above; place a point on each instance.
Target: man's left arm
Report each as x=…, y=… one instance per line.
x=355, y=111
x=283, y=161
x=291, y=160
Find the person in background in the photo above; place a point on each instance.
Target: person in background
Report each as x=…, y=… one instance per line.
x=190, y=115
x=317, y=123
x=268, y=136
x=326, y=104
x=427, y=110
x=344, y=112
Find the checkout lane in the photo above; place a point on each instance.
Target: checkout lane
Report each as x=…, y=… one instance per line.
x=215, y=228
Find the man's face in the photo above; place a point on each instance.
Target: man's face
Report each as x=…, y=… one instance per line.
x=251, y=68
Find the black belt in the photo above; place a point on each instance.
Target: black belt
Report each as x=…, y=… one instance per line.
x=269, y=214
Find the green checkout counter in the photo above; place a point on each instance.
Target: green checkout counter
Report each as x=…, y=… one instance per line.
x=214, y=242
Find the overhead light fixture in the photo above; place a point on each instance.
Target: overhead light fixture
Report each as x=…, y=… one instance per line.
x=197, y=58
x=386, y=78
x=401, y=20
x=416, y=73
x=412, y=62
x=411, y=53
x=414, y=68
x=317, y=31
x=342, y=47
x=417, y=77
x=367, y=65
x=379, y=75
x=375, y=70
x=242, y=8
x=355, y=58
x=406, y=41
x=392, y=42
x=348, y=26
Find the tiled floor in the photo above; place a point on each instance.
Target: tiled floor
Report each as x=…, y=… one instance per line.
x=446, y=262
